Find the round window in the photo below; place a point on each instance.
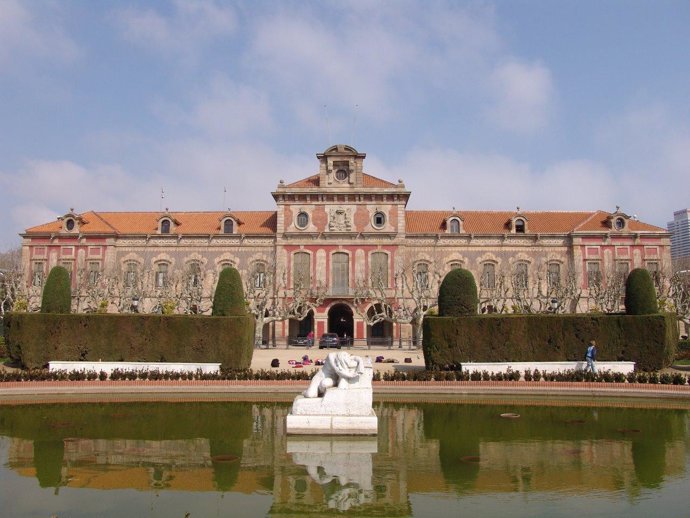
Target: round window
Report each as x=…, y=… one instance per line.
x=302, y=220
x=379, y=219
x=620, y=223
x=341, y=175
x=69, y=225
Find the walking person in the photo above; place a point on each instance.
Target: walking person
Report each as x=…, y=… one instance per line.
x=591, y=357
x=310, y=339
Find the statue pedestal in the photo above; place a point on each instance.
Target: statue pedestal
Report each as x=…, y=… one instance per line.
x=333, y=424
x=345, y=409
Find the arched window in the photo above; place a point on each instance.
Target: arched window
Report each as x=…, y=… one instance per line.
x=454, y=226
x=165, y=226
x=228, y=226
x=301, y=273
x=340, y=273
x=488, y=280
x=379, y=269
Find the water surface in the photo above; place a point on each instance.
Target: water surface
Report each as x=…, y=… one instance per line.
x=456, y=458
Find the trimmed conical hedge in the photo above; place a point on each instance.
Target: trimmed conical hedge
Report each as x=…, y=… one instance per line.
x=457, y=295
x=57, y=293
x=229, y=297
x=640, y=295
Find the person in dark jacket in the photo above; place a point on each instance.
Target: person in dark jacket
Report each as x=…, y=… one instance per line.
x=591, y=357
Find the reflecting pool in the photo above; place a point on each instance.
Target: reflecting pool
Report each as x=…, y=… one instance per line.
x=462, y=457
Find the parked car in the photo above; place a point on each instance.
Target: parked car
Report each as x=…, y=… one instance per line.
x=300, y=340
x=329, y=340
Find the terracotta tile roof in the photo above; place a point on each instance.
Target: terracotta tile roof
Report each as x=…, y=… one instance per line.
x=312, y=181
x=368, y=181
x=496, y=222
x=250, y=222
x=372, y=181
x=598, y=221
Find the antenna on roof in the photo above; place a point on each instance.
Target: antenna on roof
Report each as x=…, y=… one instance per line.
x=225, y=190
x=328, y=125
x=354, y=126
x=160, y=205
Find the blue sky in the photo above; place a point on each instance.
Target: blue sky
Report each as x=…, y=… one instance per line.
x=546, y=105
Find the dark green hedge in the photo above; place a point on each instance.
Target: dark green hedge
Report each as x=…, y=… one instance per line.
x=648, y=340
x=37, y=338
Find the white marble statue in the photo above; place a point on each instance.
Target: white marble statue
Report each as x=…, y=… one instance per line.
x=339, y=369
x=338, y=400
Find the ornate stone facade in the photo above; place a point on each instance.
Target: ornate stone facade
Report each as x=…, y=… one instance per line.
x=341, y=230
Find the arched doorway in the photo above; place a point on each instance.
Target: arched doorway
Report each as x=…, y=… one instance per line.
x=341, y=321
x=301, y=328
x=380, y=333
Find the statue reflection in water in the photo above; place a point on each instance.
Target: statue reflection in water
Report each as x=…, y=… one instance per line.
x=342, y=467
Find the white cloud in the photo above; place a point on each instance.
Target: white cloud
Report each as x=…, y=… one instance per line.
x=445, y=178
x=523, y=96
x=33, y=34
x=229, y=109
x=377, y=58
x=192, y=25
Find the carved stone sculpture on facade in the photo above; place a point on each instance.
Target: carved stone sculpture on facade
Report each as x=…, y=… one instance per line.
x=338, y=400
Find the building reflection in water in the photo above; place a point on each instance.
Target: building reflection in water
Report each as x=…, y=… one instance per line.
x=420, y=449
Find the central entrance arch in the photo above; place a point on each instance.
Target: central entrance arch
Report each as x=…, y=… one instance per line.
x=341, y=320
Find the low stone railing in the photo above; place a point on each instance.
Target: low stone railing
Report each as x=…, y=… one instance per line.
x=109, y=367
x=492, y=368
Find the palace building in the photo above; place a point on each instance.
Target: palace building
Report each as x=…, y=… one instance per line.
x=334, y=233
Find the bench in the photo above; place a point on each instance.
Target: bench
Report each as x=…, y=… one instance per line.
x=602, y=366
x=109, y=367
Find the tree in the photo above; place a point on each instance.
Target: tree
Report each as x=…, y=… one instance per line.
x=640, y=294
x=228, y=299
x=457, y=295
x=413, y=296
x=269, y=299
x=57, y=293
x=13, y=295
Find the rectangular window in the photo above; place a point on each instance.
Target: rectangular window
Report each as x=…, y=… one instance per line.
x=379, y=269
x=653, y=269
x=67, y=265
x=259, y=275
x=488, y=280
x=301, y=274
x=521, y=275
x=131, y=274
x=194, y=275
x=422, y=275
x=593, y=273
x=340, y=273
x=37, y=274
x=554, y=275
x=162, y=275
x=94, y=272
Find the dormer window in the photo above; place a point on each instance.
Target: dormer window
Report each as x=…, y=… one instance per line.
x=228, y=226
x=165, y=226
x=341, y=175
x=520, y=226
x=618, y=220
x=69, y=224
x=619, y=223
x=454, y=225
